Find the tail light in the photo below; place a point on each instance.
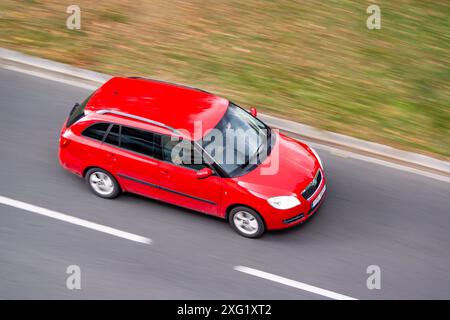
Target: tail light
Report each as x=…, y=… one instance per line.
x=63, y=142
x=64, y=137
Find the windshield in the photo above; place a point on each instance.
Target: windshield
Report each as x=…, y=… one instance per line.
x=239, y=142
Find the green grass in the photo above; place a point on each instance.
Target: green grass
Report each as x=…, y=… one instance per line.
x=310, y=61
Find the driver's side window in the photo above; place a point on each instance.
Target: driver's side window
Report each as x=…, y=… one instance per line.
x=181, y=153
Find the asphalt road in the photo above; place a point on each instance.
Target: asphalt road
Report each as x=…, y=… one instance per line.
x=374, y=215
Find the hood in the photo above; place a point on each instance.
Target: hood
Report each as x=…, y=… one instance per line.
x=296, y=169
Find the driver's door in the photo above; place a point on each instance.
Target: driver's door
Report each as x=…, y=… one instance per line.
x=180, y=185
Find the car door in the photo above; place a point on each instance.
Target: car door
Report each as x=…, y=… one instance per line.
x=133, y=158
x=180, y=184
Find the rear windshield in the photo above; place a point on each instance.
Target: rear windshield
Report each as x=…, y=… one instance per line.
x=77, y=111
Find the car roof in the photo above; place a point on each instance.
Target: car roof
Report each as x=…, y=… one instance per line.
x=176, y=106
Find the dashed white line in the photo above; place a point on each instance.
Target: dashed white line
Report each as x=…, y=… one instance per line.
x=70, y=219
x=293, y=283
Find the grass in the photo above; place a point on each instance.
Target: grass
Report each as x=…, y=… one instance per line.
x=310, y=61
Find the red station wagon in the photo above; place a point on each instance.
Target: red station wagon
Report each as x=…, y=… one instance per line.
x=124, y=136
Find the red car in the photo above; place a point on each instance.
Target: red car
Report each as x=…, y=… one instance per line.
x=169, y=142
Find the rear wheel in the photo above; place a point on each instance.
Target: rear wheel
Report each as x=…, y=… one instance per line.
x=102, y=183
x=246, y=222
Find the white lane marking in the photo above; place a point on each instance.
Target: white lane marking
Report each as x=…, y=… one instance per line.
x=293, y=283
x=80, y=222
x=52, y=78
x=349, y=154
x=335, y=151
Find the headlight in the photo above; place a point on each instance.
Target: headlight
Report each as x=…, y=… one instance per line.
x=284, y=202
x=317, y=156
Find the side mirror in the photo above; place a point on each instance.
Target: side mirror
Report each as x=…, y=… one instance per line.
x=253, y=111
x=204, y=173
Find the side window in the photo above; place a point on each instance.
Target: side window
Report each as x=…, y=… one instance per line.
x=113, y=135
x=96, y=131
x=141, y=141
x=181, y=153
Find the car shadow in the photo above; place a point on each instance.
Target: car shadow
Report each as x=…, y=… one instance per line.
x=171, y=207
x=273, y=235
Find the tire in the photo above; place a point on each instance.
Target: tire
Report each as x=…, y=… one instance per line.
x=102, y=183
x=243, y=219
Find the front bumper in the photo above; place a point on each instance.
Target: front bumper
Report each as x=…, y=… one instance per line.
x=282, y=219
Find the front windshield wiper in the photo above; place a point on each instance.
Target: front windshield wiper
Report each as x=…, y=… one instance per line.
x=255, y=156
x=258, y=151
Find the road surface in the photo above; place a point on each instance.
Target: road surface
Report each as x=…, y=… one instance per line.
x=373, y=215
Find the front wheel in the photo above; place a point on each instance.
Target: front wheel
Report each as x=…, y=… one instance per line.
x=102, y=183
x=246, y=222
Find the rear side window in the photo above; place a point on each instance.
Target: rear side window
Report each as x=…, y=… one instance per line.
x=141, y=141
x=96, y=131
x=113, y=135
x=77, y=111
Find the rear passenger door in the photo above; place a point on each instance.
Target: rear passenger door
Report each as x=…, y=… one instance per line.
x=133, y=159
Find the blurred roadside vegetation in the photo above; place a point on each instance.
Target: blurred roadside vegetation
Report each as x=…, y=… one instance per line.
x=309, y=61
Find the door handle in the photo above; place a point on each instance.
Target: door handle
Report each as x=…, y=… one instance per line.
x=165, y=172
